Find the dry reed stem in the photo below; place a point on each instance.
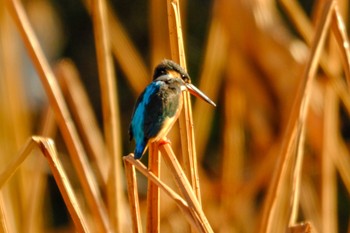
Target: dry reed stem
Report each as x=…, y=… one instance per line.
x=181, y=203
x=296, y=120
x=329, y=180
x=110, y=112
x=15, y=120
x=33, y=222
x=134, y=204
x=84, y=116
x=189, y=155
x=340, y=33
x=47, y=147
x=297, y=175
x=304, y=27
x=185, y=187
x=62, y=114
x=153, y=198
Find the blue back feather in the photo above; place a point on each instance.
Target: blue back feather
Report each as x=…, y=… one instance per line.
x=136, y=127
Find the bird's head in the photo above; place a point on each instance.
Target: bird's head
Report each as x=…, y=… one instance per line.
x=171, y=70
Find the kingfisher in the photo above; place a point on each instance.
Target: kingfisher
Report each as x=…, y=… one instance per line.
x=159, y=105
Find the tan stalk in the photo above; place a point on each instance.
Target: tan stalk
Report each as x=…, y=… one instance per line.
x=62, y=114
x=328, y=172
x=339, y=29
x=185, y=120
x=304, y=27
x=134, y=203
x=296, y=120
x=84, y=116
x=15, y=121
x=108, y=86
x=297, y=175
x=181, y=203
x=153, y=198
x=34, y=221
x=47, y=147
x=185, y=187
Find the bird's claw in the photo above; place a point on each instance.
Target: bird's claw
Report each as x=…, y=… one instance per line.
x=164, y=141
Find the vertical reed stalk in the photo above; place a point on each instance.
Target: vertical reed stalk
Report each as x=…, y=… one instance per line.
x=339, y=29
x=110, y=112
x=133, y=197
x=297, y=175
x=296, y=120
x=15, y=120
x=329, y=178
x=153, y=198
x=185, y=120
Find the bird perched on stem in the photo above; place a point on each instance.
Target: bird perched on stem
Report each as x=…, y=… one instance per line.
x=160, y=104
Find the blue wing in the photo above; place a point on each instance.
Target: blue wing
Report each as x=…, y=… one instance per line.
x=136, y=129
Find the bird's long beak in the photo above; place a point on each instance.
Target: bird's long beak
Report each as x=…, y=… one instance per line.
x=196, y=92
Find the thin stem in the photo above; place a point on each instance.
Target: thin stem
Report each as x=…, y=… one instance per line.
x=133, y=197
x=110, y=112
x=185, y=120
x=153, y=194
x=297, y=118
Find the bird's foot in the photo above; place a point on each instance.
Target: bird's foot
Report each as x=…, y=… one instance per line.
x=164, y=141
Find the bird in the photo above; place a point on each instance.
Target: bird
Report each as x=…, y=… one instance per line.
x=159, y=105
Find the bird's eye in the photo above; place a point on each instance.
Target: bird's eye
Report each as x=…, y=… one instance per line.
x=185, y=78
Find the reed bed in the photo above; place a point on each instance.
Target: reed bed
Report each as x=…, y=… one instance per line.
x=272, y=157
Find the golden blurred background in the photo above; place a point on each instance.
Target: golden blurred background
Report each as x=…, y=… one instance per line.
x=251, y=57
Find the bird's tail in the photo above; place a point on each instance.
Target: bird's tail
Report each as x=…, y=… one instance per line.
x=140, y=149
